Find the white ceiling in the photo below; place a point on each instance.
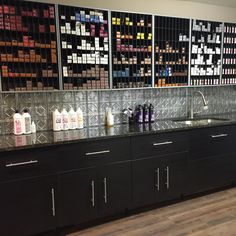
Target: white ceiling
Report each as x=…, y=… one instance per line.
x=226, y=3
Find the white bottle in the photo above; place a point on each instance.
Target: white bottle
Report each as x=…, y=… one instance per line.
x=26, y=122
x=65, y=119
x=80, y=119
x=17, y=120
x=57, y=120
x=33, y=128
x=110, y=118
x=72, y=119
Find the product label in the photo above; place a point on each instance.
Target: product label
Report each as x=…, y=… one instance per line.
x=18, y=127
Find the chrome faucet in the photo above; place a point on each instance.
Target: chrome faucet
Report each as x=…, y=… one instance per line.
x=191, y=113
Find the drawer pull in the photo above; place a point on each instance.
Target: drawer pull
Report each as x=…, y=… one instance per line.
x=167, y=177
x=158, y=179
x=93, y=193
x=53, y=202
x=96, y=153
x=219, y=135
x=105, y=189
x=163, y=143
x=22, y=163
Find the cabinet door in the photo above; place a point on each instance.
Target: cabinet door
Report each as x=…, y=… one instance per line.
x=146, y=181
x=28, y=207
x=212, y=172
x=78, y=197
x=114, y=188
x=173, y=175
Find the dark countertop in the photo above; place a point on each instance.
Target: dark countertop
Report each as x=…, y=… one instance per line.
x=49, y=138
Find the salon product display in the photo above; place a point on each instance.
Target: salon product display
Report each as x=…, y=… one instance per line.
x=229, y=54
x=131, y=37
x=84, y=48
x=171, y=51
x=28, y=48
x=206, y=52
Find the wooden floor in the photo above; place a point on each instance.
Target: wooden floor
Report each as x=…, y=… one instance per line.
x=211, y=215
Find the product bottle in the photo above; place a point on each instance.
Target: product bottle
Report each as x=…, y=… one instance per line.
x=145, y=113
x=80, y=119
x=65, y=119
x=57, y=120
x=26, y=122
x=110, y=118
x=72, y=119
x=17, y=119
x=33, y=128
x=151, y=113
x=139, y=114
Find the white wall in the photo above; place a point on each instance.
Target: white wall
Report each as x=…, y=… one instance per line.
x=161, y=7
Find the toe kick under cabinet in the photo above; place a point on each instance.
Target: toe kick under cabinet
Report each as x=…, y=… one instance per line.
x=52, y=187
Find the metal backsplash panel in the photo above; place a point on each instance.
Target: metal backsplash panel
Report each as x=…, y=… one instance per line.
x=168, y=103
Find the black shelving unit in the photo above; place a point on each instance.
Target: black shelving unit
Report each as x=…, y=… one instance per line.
x=28, y=48
x=84, y=48
x=206, y=52
x=229, y=54
x=171, y=51
x=131, y=49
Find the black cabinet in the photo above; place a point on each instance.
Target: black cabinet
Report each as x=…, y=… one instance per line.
x=212, y=161
x=94, y=192
x=28, y=206
x=159, y=179
x=78, y=196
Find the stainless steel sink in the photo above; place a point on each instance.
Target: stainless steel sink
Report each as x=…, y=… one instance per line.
x=200, y=121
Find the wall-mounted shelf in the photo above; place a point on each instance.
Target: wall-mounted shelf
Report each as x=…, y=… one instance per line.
x=84, y=48
x=206, y=52
x=229, y=54
x=28, y=48
x=102, y=49
x=171, y=51
x=131, y=37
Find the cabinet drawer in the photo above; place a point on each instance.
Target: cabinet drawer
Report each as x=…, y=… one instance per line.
x=212, y=142
x=90, y=153
x=28, y=163
x=158, y=144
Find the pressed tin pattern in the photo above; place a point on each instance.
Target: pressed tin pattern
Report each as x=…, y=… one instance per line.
x=168, y=103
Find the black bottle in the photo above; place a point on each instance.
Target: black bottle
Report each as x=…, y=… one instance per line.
x=145, y=113
x=151, y=113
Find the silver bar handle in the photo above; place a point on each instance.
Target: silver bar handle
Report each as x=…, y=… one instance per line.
x=22, y=163
x=93, y=194
x=53, y=202
x=167, y=177
x=96, y=153
x=163, y=143
x=105, y=189
x=158, y=179
x=219, y=135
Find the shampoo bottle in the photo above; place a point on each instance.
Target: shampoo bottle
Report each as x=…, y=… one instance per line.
x=57, y=120
x=80, y=119
x=65, y=119
x=26, y=122
x=17, y=119
x=72, y=119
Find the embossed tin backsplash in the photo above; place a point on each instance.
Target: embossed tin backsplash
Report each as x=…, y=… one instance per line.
x=168, y=103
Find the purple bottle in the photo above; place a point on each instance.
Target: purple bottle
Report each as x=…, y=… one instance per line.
x=145, y=113
x=139, y=114
x=151, y=114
